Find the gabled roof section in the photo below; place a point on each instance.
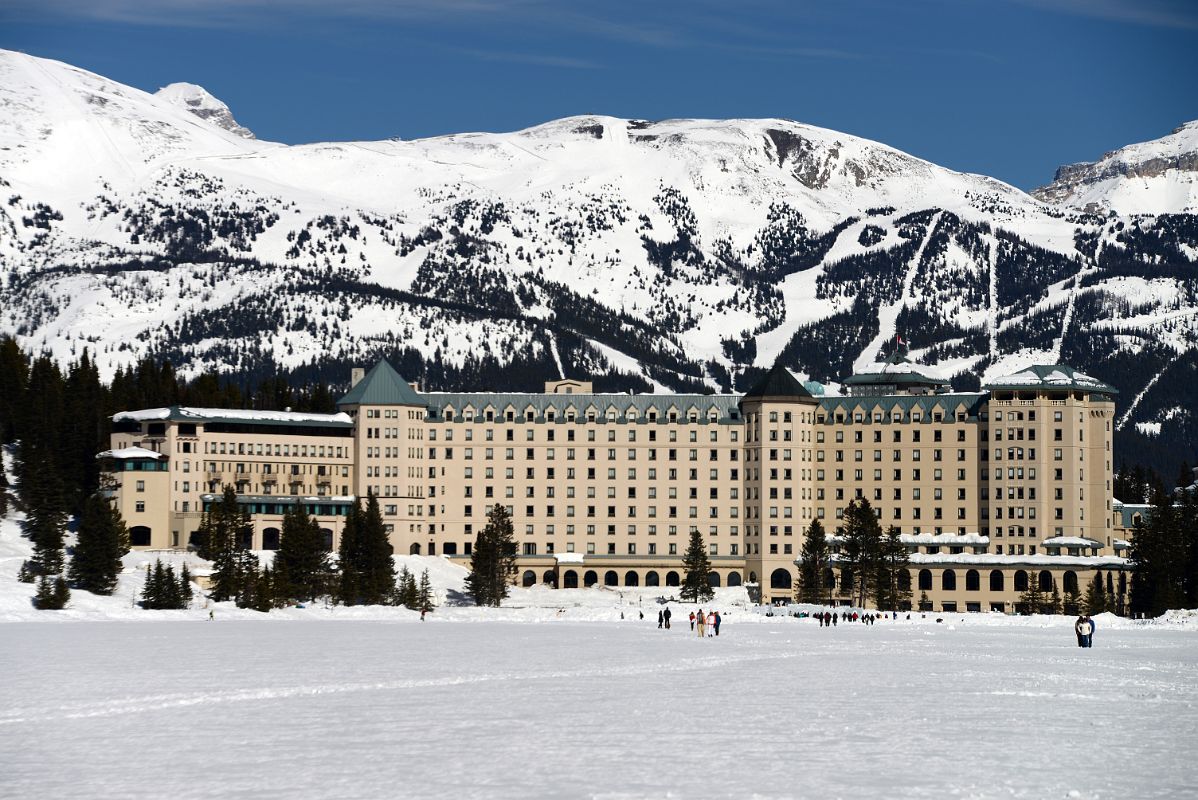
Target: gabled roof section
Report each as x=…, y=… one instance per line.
x=778, y=382
x=382, y=386
x=1052, y=376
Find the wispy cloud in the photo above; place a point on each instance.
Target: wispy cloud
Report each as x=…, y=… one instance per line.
x=1179, y=14
x=564, y=62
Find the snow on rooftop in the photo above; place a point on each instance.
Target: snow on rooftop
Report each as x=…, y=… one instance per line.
x=130, y=452
x=944, y=538
x=1070, y=541
x=982, y=559
x=569, y=558
x=249, y=415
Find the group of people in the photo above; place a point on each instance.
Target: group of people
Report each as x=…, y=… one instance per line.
x=705, y=624
x=829, y=619
x=1084, y=628
x=663, y=618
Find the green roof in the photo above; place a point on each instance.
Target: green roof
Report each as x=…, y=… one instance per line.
x=778, y=382
x=382, y=386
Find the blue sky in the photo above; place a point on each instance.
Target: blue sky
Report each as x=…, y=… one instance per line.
x=1009, y=88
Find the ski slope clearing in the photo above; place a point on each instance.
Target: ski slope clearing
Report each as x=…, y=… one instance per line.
x=234, y=709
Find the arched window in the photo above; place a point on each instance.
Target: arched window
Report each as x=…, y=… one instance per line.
x=1070, y=582
x=713, y=580
x=1020, y=581
x=652, y=578
x=588, y=580
x=1045, y=581
x=671, y=578
x=780, y=579
x=414, y=550
x=973, y=581
x=925, y=580
x=632, y=578
x=948, y=580
x=270, y=538
x=570, y=579
x=326, y=539
x=753, y=577
x=528, y=578
x=610, y=578
x=449, y=549
x=549, y=578
x=139, y=536
x=996, y=580
x=734, y=578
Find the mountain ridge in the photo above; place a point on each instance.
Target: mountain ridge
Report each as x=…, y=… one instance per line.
x=673, y=254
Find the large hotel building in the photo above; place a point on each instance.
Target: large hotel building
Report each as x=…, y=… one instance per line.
x=990, y=489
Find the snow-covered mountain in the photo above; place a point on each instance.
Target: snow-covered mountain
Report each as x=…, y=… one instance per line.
x=1154, y=177
x=200, y=102
x=677, y=253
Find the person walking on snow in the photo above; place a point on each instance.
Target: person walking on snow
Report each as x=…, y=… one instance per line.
x=700, y=622
x=661, y=619
x=834, y=620
x=717, y=623
x=692, y=621
x=667, y=616
x=710, y=623
x=1077, y=629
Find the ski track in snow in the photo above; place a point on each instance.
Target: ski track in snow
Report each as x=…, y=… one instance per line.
x=557, y=358
x=162, y=702
x=888, y=316
x=1147, y=387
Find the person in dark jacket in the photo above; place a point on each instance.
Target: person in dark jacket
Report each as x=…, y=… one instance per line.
x=661, y=619
x=666, y=615
x=717, y=623
x=834, y=620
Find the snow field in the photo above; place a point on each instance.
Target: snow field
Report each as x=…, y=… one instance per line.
x=232, y=709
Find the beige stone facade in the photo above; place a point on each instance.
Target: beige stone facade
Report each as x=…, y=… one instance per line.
x=989, y=488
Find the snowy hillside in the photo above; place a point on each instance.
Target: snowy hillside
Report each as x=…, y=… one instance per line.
x=684, y=254
x=198, y=101
x=1145, y=178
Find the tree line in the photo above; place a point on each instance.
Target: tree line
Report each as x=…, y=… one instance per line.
x=874, y=566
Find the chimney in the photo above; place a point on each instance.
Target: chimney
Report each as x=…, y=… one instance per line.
x=356, y=374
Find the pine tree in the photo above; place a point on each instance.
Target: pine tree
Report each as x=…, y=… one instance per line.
x=424, y=598
x=406, y=593
x=1054, y=600
x=493, y=559
x=1033, y=597
x=376, y=565
x=41, y=495
x=53, y=593
x=3, y=491
x=1096, y=600
x=218, y=541
x=185, y=591
x=247, y=577
x=301, y=559
x=862, y=547
x=894, y=572
x=696, y=587
x=813, y=564
x=102, y=541
x=348, y=579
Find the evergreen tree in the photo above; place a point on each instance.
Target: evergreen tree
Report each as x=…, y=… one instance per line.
x=1054, y=600
x=185, y=591
x=348, y=580
x=41, y=496
x=894, y=572
x=52, y=593
x=301, y=559
x=862, y=548
x=493, y=559
x=102, y=540
x=218, y=541
x=1096, y=599
x=3, y=491
x=1033, y=598
x=248, y=579
x=424, y=598
x=813, y=563
x=407, y=594
x=376, y=565
x=696, y=587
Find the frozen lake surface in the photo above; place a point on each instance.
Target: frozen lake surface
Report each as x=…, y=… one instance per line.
x=607, y=709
